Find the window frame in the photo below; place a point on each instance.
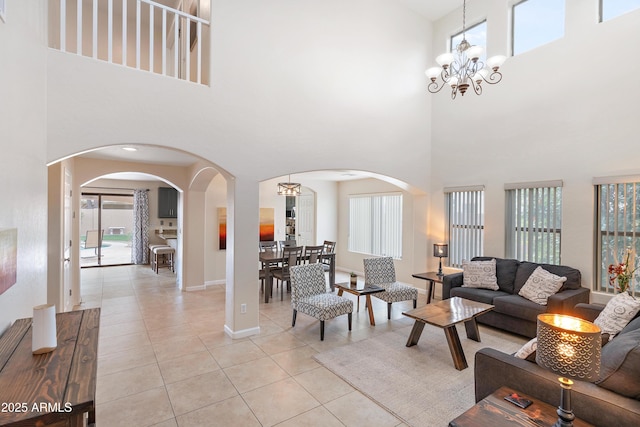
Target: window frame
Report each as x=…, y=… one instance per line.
x=376, y=230
x=543, y=232
x=466, y=31
x=512, y=25
x=601, y=12
x=465, y=237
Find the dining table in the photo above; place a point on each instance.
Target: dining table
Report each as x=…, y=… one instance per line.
x=270, y=261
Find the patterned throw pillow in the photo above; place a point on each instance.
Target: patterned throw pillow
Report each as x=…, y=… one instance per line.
x=479, y=274
x=617, y=313
x=541, y=285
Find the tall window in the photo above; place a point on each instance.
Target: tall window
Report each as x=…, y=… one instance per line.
x=613, y=8
x=533, y=221
x=476, y=36
x=536, y=22
x=618, y=227
x=465, y=223
x=375, y=224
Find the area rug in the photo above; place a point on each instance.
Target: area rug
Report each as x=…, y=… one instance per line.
x=418, y=384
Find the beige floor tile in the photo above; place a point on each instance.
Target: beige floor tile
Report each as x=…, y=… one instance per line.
x=178, y=347
x=277, y=343
x=323, y=384
x=215, y=339
x=188, y=366
x=143, y=409
x=169, y=423
x=176, y=331
x=131, y=381
x=197, y=392
x=237, y=353
x=127, y=359
x=317, y=417
x=114, y=319
x=356, y=410
x=229, y=412
x=279, y=401
x=132, y=327
x=121, y=343
x=254, y=374
x=297, y=360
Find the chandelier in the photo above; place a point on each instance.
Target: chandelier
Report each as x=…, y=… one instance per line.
x=464, y=69
x=289, y=188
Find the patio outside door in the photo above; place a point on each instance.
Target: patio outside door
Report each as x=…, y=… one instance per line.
x=106, y=224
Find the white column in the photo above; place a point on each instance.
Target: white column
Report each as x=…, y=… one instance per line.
x=192, y=257
x=242, y=284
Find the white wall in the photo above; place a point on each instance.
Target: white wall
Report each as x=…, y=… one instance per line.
x=563, y=111
x=23, y=140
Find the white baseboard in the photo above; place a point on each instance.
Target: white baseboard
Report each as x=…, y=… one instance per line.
x=204, y=287
x=243, y=333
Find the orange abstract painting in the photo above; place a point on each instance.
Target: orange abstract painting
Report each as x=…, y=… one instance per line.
x=267, y=226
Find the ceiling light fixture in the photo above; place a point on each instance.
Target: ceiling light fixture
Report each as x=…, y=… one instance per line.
x=129, y=149
x=463, y=68
x=289, y=188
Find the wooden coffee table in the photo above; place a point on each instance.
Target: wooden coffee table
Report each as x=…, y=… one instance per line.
x=446, y=314
x=358, y=291
x=494, y=411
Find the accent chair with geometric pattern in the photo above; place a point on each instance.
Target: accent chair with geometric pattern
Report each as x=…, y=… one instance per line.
x=382, y=273
x=309, y=296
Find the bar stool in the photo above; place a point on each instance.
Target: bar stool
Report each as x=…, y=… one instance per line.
x=153, y=259
x=167, y=253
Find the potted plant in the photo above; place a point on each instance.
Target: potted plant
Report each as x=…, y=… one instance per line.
x=354, y=279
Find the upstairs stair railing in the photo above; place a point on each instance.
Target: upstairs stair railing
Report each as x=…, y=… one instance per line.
x=159, y=45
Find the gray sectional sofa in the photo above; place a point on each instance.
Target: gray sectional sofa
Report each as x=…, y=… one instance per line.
x=513, y=312
x=612, y=401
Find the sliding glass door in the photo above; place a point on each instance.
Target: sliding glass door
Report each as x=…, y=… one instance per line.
x=106, y=222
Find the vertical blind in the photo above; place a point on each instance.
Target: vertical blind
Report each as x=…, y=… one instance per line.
x=465, y=223
x=618, y=229
x=375, y=224
x=533, y=221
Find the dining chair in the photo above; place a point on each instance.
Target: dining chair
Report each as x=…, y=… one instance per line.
x=329, y=248
x=291, y=256
x=382, y=273
x=285, y=243
x=265, y=246
x=309, y=296
x=313, y=254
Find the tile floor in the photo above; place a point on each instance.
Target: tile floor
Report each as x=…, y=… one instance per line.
x=164, y=359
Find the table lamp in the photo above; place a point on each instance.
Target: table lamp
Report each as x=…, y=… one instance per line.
x=440, y=250
x=568, y=346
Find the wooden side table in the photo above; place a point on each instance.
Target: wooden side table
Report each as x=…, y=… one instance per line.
x=432, y=278
x=358, y=292
x=494, y=411
x=55, y=388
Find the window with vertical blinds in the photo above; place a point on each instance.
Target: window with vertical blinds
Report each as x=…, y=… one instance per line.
x=375, y=224
x=617, y=228
x=533, y=221
x=465, y=223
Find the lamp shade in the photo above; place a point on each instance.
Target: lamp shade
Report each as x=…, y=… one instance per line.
x=569, y=346
x=440, y=250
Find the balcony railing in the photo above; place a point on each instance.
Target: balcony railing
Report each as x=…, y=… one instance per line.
x=140, y=34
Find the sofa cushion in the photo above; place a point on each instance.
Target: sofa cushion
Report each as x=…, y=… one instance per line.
x=505, y=271
x=518, y=307
x=631, y=326
x=541, y=285
x=525, y=269
x=617, y=314
x=479, y=274
x=620, y=365
x=480, y=295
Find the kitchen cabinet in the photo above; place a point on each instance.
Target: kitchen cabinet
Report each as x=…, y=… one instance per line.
x=167, y=202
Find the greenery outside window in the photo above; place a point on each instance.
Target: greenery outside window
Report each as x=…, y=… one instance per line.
x=375, y=224
x=534, y=221
x=617, y=227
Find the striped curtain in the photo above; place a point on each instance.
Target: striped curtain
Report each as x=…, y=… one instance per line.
x=375, y=224
x=140, y=238
x=465, y=223
x=534, y=221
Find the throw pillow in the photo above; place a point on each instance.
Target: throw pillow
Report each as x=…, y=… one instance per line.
x=620, y=365
x=479, y=274
x=617, y=313
x=527, y=350
x=541, y=285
